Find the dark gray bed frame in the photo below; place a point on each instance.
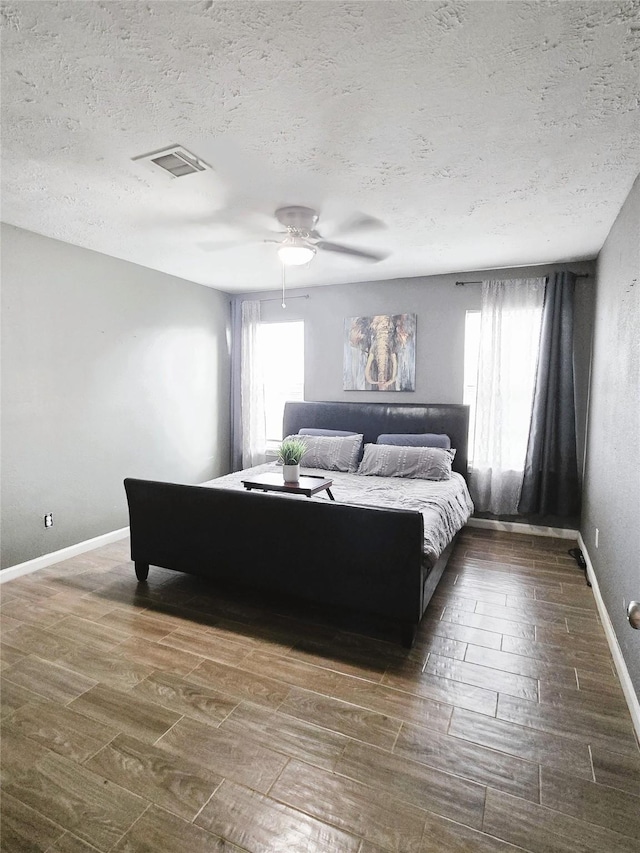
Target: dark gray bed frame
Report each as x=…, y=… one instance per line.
x=362, y=558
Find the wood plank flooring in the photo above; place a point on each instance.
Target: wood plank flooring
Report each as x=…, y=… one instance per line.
x=173, y=716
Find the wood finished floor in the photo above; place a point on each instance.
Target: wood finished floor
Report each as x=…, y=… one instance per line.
x=168, y=717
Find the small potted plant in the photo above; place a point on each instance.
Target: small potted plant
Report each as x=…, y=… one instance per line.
x=290, y=453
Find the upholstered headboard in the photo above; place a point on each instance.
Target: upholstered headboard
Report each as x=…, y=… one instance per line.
x=373, y=419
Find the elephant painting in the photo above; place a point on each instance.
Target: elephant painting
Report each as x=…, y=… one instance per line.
x=380, y=353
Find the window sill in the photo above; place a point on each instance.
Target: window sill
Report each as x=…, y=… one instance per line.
x=271, y=450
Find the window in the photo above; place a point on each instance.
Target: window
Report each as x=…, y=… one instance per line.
x=281, y=349
x=509, y=341
x=471, y=357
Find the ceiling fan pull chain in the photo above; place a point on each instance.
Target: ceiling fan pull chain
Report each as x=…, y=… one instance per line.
x=284, y=304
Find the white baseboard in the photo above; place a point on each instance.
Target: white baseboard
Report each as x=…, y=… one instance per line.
x=521, y=527
x=13, y=572
x=621, y=667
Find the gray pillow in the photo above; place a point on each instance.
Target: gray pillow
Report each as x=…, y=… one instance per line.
x=417, y=463
x=330, y=432
x=406, y=439
x=331, y=453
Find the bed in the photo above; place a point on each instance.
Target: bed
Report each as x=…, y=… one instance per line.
x=368, y=552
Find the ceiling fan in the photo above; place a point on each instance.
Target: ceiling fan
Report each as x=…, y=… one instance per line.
x=300, y=241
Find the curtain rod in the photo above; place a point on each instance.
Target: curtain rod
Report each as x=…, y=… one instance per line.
x=462, y=283
x=278, y=298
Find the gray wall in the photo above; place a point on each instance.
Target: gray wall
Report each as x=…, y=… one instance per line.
x=440, y=307
x=108, y=370
x=612, y=473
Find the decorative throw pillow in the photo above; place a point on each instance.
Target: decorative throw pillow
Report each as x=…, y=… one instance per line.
x=406, y=439
x=331, y=453
x=422, y=463
x=330, y=432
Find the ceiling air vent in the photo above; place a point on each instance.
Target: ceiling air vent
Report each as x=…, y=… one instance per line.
x=175, y=161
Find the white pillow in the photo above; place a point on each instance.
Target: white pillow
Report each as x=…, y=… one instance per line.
x=331, y=453
x=418, y=463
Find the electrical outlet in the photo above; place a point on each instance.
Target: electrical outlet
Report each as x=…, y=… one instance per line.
x=597, y=536
x=48, y=520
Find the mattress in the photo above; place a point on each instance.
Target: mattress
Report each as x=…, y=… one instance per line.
x=445, y=505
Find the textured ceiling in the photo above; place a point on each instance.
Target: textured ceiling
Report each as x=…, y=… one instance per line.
x=485, y=134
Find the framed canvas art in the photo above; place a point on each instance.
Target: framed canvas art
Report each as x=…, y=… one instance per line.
x=380, y=353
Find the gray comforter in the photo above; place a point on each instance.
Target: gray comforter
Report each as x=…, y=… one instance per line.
x=445, y=505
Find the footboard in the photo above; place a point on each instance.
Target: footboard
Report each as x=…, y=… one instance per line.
x=365, y=558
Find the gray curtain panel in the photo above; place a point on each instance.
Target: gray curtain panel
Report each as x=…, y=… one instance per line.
x=550, y=485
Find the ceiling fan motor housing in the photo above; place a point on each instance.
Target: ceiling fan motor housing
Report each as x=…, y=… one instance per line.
x=296, y=218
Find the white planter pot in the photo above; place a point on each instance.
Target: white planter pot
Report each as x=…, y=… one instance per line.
x=291, y=473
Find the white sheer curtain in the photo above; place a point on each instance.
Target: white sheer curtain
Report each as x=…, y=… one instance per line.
x=509, y=345
x=252, y=388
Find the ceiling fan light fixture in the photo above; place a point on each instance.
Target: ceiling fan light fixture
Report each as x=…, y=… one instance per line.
x=294, y=252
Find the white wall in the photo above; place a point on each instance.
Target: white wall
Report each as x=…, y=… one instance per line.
x=109, y=370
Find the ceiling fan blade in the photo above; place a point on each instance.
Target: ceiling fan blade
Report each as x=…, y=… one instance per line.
x=360, y=222
x=347, y=250
x=219, y=246
x=245, y=218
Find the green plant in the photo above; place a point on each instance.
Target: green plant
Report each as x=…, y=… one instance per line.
x=291, y=451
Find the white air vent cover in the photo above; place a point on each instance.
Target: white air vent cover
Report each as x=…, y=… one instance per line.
x=175, y=161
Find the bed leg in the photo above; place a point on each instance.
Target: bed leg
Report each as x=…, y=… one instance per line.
x=142, y=570
x=408, y=634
